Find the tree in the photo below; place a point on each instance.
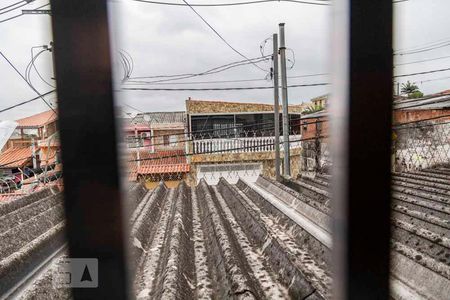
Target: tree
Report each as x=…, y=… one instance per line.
x=409, y=88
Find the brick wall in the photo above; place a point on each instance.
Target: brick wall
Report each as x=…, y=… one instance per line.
x=407, y=116
x=198, y=106
x=314, y=127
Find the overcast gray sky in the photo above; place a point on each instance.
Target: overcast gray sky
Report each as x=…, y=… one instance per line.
x=166, y=40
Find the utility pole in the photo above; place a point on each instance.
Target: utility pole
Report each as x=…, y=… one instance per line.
x=276, y=106
x=284, y=96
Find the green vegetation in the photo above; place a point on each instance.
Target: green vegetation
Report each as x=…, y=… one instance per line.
x=411, y=90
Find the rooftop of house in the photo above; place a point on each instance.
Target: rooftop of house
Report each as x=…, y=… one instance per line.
x=161, y=162
x=195, y=106
x=317, y=114
x=155, y=120
x=15, y=157
x=37, y=120
x=435, y=101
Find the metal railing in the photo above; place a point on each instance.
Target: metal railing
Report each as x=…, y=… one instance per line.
x=247, y=144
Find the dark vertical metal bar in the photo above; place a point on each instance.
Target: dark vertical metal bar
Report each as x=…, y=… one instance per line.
x=361, y=141
x=89, y=145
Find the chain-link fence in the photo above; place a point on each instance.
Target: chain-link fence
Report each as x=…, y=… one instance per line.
x=421, y=144
x=416, y=145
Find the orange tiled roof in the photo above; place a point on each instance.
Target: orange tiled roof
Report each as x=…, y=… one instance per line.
x=163, y=162
x=37, y=120
x=15, y=157
x=163, y=169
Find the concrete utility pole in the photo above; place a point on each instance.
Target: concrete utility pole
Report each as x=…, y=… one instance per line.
x=276, y=106
x=284, y=96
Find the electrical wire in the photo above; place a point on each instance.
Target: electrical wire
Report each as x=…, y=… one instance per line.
x=9, y=10
x=25, y=102
x=20, y=74
x=421, y=73
x=133, y=108
x=221, y=37
x=421, y=61
x=209, y=72
x=441, y=45
x=222, y=89
x=21, y=14
x=11, y=5
x=232, y=3
x=201, y=73
x=31, y=64
x=435, y=79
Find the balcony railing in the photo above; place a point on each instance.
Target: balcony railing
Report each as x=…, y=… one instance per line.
x=240, y=145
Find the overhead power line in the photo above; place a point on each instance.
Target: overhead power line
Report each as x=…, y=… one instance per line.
x=426, y=49
x=11, y=5
x=312, y=2
x=191, y=75
x=421, y=73
x=318, y=2
x=11, y=9
x=138, y=82
x=421, y=61
x=222, y=89
x=25, y=102
x=435, y=79
x=20, y=74
x=221, y=37
x=21, y=14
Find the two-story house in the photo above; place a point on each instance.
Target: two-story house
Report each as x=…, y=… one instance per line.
x=236, y=139
x=156, y=143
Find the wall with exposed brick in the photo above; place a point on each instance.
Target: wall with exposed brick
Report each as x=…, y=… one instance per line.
x=202, y=107
x=314, y=127
x=407, y=116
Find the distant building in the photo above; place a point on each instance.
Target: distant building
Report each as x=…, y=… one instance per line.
x=32, y=150
x=429, y=107
x=321, y=101
x=36, y=127
x=315, y=151
x=156, y=131
x=410, y=143
x=235, y=139
x=156, y=145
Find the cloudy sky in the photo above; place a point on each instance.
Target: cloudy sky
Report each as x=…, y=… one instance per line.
x=166, y=40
